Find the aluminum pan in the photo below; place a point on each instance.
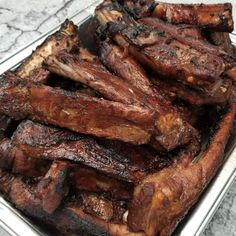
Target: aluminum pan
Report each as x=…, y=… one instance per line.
x=194, y=223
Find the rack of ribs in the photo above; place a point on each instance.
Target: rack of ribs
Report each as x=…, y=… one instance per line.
x=77, y=112
x=217, y=17
x=129, y=137
x=87, y=69
x=129, y=163
x=165, y=55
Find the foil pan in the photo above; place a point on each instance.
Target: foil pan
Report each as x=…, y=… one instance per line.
x=14, y=223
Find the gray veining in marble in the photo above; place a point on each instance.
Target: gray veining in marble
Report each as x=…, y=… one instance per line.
x=24, y=20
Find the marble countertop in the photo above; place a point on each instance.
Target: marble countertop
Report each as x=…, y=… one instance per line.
x=23, y=21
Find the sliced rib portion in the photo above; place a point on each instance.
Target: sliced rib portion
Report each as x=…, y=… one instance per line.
x=40, y=141
x=95, y=76
x=189, y=35
x=163, y=198
x=76, y=111
x=217, y=17
x=91, y=180
x=14, y=160
x=165, y=55
x=81, y=68
x=118, y=61
x=174, y=89
x=71, y=218
x=52, y=188
x=48, y=192
x=64, y=39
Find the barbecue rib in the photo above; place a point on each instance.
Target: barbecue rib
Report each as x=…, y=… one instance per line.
x=64, y=39
x=165, y=55
x=70, y=219
x=88, y=179
x=173, y=89
x=13, y=159
x=188, y=35
x=76, y=111
x=52, y=188
x=40, y=141
x=216, y=17
x=81, y=68
x=95, y=76
x=163, y=198
x=123, y=65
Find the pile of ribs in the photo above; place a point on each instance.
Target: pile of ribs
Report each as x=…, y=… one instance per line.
x=121, y=138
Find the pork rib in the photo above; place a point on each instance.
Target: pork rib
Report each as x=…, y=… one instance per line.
x=93, y=74
x=91, y=180
x=173, y=89
x=70, y=219
x=163, y=198
x=40, y=141
x=216, y=17
x=66, y=38
x=52, y=188
x=123, y=65
x=188, y=35
x=165, y=55
x=76, y=111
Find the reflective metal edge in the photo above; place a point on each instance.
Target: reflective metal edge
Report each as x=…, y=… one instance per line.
x=11, y=220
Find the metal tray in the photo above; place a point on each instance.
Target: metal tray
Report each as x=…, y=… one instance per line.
x=14, y=223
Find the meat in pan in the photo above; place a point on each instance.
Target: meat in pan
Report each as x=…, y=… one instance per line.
x=66, y=38
x=89, y=167
x=127, y=163
x=77, y=112
x=91, y=72
x=190, y=36
x=216, y=17
x=90, y=180
x=165, y=197
x=190, y=177
x=166, y=56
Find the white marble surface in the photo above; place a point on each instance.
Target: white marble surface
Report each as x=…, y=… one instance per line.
x=24, y=20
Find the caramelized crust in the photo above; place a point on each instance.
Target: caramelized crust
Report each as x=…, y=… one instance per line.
x=216, y=17
x=76, y=111
x=165, y=55
x=162, y=199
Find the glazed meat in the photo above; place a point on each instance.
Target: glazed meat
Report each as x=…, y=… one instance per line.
x=52, y=188
x=217, y=17
x=48, y=192
x=129, y=136
x=189, y=35
x=88, y=179
x=175, y=90
x=165, y=55
x=123, y=65
x=65, y=39
x=76, y=111
x=164, y=197
x=93, y=74
x=39, y=141
x=222, y=39
x=14, y=160
x=71, y=218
